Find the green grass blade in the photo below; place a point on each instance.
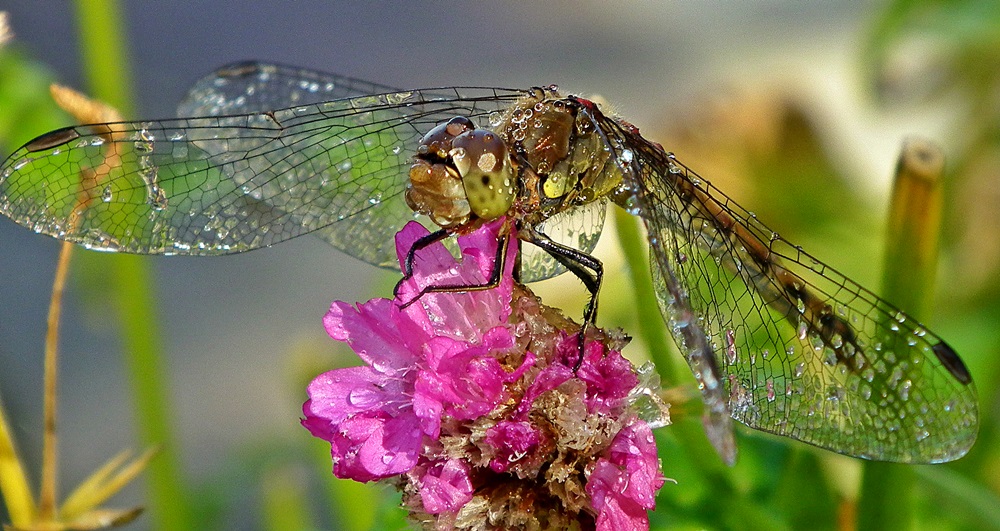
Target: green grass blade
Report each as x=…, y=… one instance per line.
x=106, y=66
x=886, y=500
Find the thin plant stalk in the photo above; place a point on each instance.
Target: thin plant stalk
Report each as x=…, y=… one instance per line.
x=47, y=502
x=13, y=481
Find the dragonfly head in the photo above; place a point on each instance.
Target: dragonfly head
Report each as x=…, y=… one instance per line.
x=461, y=171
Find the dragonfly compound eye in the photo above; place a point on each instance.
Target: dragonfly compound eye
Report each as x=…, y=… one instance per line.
x=481, y=159
x=436, y=191
x=434, y=188
x=437, y=141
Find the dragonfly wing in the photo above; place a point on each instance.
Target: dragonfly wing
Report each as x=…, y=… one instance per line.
x=226, y=184
x=579, y=227
x=249, y=87
x=798, y=349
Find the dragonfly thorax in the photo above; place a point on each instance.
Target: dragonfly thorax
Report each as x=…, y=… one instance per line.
x=562, y=150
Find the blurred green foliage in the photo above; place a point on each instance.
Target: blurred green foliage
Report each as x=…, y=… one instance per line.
x=24, y=97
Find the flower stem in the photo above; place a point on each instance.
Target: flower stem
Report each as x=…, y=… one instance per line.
x=284, y=501
x=914, y=222
x=650, y=323
x=689, y=435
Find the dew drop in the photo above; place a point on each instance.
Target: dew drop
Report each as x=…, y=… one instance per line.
x=358, y=397
x=904, y=389
x=731, y=346
x=381, y=366
x=495, y=118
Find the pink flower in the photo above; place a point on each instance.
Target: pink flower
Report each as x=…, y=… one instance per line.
x=418, y=367
x=469, y=400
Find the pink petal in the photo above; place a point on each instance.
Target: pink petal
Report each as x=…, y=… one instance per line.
x=635, y=448
x=460, y=315
x=621, y=514
x=467, y=380
x=551, y=377
x=338, y=394
x=365, y=329
x=623, y=485
x=513, y=442
x=446, y=488
x=609, y=377
x=371, y=448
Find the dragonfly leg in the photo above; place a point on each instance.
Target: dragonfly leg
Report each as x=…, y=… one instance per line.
x=588, y=269
x=492, y=282
x=420, y=244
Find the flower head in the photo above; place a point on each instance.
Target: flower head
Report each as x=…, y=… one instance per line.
x=469, y=402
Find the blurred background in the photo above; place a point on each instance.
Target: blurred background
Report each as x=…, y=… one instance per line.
x=797, y=111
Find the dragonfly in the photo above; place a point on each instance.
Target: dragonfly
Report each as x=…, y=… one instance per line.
x=262, y=153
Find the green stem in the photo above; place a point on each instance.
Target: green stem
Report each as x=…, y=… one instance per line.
x=886, y=500
x=106, y=65
x=353, y=505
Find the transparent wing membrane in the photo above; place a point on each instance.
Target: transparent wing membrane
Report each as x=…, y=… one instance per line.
x=579, y=228
x=226, y=184
x=248, y=87
x=790, y=346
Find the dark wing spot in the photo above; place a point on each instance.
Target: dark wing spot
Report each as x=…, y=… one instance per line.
x=243, y=69
x=486, y=180
x=952, y=362
x=52, y=139
x=835, y=325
